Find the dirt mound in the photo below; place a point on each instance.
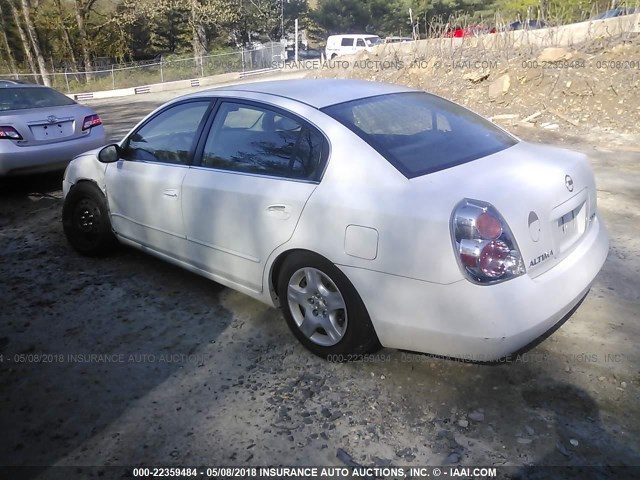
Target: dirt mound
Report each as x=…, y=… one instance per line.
x=587, y=88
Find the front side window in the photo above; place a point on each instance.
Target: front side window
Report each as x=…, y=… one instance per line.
x=421, y=133
x=360, y=43
x=250, y=139
x=169, y=136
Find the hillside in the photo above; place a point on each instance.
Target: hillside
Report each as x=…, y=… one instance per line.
x=591, y=87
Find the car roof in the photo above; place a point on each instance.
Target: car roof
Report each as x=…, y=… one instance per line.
x=355, y=35
x=316, y=92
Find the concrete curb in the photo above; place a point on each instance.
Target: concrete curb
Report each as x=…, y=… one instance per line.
x=162, y=87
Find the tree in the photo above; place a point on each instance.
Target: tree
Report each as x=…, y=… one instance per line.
x=5, y=43
x=82, y=9
x=64, y=33
x=35, y=41
x=343, y=16
x=26, y=47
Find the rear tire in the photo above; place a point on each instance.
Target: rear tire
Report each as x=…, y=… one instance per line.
x=323, y=309
x=85, y=219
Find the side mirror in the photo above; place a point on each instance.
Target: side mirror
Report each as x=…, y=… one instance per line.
x=109, y=154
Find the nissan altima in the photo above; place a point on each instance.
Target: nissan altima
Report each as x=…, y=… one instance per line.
x=371, y=214
x=42, y=130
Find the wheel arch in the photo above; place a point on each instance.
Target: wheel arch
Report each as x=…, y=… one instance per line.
x=276, y=267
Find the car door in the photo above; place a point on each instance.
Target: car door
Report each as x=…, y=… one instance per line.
x=257, y=167
x=144, y=186
x=347, y=46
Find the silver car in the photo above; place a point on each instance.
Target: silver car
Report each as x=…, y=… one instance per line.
x=42, y=129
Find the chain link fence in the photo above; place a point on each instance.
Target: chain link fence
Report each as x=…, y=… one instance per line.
x=265, y=57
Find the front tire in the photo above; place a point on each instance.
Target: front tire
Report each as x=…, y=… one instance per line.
x=85, y=219
x=323, y=309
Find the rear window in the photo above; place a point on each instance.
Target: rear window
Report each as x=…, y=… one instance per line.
x=420, y=133
x=21, y=98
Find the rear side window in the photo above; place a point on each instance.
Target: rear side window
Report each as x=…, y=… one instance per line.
x=17, y=98
x=420, y=133
x=347, y=42
x=251, y=139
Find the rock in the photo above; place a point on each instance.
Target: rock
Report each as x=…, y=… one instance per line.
x=505, y=116
x=623, y=384
x=476, y=416
x=562, y=449
x=345, y=458
x=335, y=415
x=453, y=458
x=325, y=412
x=524, y=441
x=476, y=77
x=381, y=462
x=499, y=86
x=404, y=452
x=529, y=430
x=574, y=442
x=553, y=54
x=463, y=423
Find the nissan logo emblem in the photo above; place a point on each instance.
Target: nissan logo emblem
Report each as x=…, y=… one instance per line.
x=568, y=182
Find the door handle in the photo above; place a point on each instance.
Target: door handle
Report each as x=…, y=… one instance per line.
x=170, y=192
x=279, y=211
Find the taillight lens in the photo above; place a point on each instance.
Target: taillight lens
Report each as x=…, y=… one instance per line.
x=485, y=247
x=91, y=121
x=10, y=133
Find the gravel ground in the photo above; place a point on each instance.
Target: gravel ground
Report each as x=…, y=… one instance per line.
x=130, y=361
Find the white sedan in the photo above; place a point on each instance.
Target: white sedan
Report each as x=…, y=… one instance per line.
x=372, y=214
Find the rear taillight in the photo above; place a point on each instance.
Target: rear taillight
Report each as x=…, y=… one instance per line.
x=10, y=133
x=91, y=121
x=484, y=245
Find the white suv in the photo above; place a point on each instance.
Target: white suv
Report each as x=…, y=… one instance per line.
x=349, y=44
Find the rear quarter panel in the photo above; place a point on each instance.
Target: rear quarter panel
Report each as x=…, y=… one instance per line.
x=361, y=188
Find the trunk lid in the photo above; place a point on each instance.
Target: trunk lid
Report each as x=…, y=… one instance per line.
x=547, y=196
x=41, y=126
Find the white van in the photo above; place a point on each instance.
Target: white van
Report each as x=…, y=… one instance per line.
x=338, y=45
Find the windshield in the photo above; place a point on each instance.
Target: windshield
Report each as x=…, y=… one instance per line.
x=371, y=41
x=421, y=133
x=22, y=98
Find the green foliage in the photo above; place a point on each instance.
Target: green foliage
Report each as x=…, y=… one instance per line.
x=124, y=30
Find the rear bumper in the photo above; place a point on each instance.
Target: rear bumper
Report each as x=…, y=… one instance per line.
x=473, y=322
x=15, y=160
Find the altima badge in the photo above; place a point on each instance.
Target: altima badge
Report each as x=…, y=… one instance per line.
x=541, y=258
x=568, y=182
